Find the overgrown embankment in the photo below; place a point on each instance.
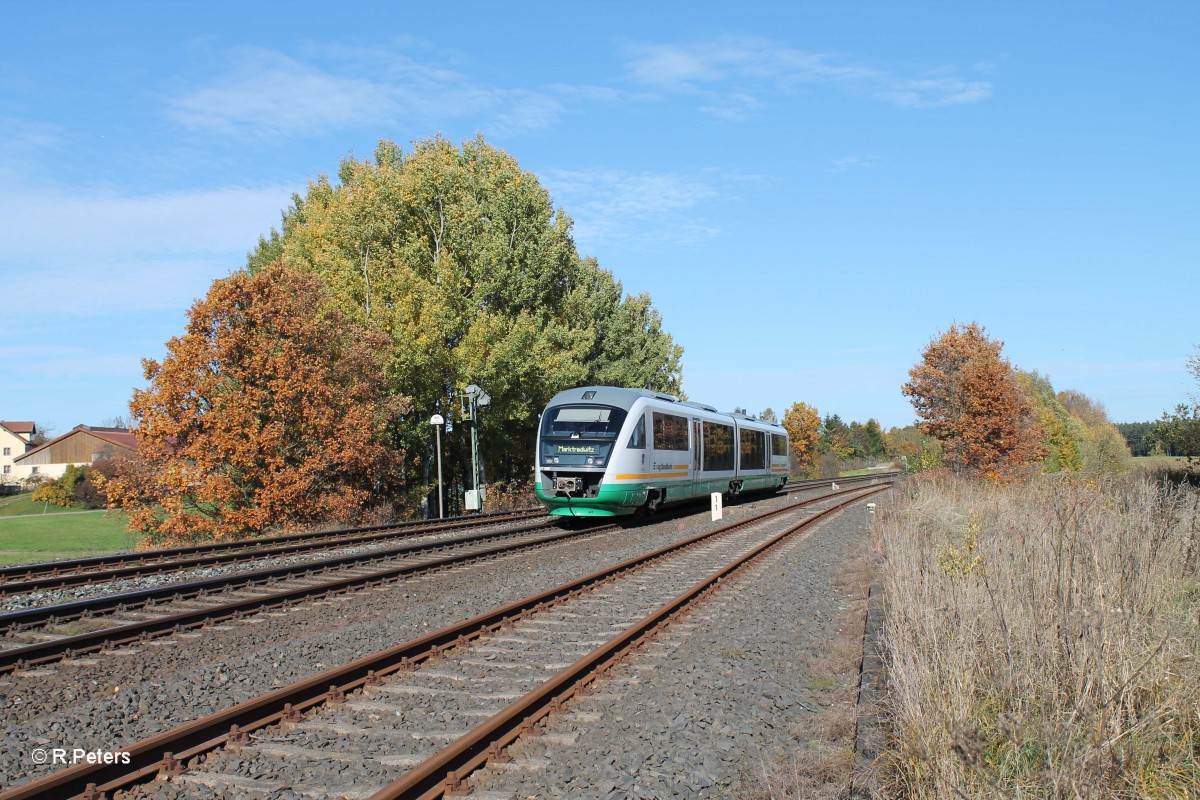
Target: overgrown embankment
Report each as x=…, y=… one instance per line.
x=1043, y=640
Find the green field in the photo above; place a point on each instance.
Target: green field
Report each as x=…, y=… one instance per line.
x=1157, y=461
x=19, y=505
x=62, y=535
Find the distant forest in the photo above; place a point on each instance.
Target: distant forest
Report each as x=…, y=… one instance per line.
x=1176, y=434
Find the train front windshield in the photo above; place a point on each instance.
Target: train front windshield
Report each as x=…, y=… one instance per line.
x=582, y=422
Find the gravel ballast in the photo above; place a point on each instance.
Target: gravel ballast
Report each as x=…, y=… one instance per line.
x=726, y=694
x=109, y=700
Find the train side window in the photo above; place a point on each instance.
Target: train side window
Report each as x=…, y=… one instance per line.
x=637, y=439
x=718, y=446
x=670, y=432
x=753, y=452
x=779, y=445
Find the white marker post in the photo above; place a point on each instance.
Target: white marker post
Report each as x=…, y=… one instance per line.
x=716, y=506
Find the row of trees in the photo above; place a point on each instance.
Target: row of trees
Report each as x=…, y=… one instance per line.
x=820, y=443
x=1176, y=433
x=303, y=386
x=994, y=420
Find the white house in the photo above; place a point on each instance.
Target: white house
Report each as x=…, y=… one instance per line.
x=15, y=440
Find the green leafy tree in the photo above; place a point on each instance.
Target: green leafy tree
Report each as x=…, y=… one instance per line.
x=867, y=439
x=1138, y=436
x=1065, y=434
x=1177, y=433
x=61, y=490
x=1103, y=449
x=835, y=437
x=458, y=256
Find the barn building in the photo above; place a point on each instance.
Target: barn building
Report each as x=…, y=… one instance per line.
x=82, y=445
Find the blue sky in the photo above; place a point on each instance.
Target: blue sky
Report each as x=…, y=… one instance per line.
x=810, y=192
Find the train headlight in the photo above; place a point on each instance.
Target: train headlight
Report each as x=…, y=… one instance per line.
x=554, y=459
x=599, y=461
x=591, y=460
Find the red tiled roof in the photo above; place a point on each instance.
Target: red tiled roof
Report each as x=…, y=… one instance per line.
x=18, y=428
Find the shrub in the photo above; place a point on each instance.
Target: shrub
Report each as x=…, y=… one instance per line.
x=61, y=491
x=510, y=496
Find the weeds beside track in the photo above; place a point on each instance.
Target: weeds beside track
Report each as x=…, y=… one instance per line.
x=1043, y=640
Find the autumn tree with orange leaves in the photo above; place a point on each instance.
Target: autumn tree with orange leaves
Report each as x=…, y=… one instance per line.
x=803, y=424
x=270, y=410
x=969, y=397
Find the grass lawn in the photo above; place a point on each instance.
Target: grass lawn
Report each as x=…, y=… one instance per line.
x=55, y=536
x=20, y=504
x=1155, y=461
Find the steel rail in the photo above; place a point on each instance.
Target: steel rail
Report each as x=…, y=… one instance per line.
x=26, y=572
x=816, y=483
x=60, y=581
x=125, y=601
x=443, y=772
x=166, y=752
x=29, y=655
x=22, y=578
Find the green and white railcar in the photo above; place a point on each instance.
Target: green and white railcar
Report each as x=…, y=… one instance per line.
x=604, y=451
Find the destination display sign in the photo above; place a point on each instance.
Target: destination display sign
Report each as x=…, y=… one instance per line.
x=577, y=449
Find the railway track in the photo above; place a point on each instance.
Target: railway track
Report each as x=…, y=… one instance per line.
x=48, y=633
x=82, y=572
x=36, y=636
x=856, y=480
x=25, y=578
x=418, y=717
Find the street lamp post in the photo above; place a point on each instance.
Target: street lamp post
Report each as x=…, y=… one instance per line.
x=437, y=421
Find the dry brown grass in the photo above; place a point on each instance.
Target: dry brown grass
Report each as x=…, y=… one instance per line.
x=1043, y=640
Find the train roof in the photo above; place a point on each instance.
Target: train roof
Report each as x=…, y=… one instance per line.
x=608, y=396
x=619, y=397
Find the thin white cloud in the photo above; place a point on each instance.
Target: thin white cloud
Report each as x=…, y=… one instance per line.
x=82, y=255
x=608, y=204
x=268, y=92
x=264, y=93
x=25, y=135
x=729, y=70
x=854, y=162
